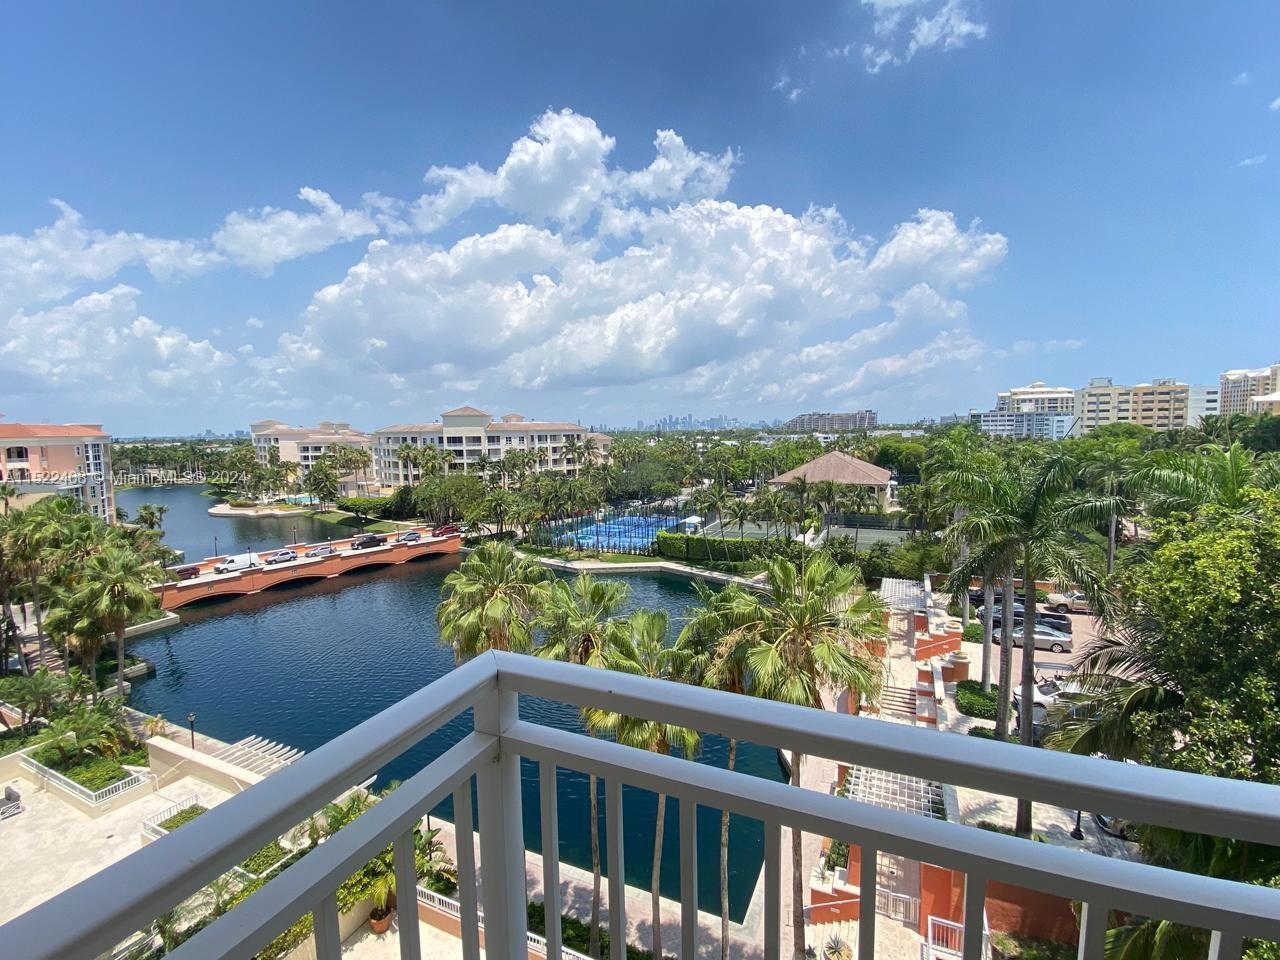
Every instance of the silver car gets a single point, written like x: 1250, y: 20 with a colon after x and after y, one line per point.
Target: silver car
x: 1046, y: 638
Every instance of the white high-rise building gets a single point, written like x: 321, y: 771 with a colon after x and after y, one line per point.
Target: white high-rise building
x: 1036, y: 397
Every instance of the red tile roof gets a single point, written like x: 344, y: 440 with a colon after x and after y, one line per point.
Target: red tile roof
x: 34, y: 431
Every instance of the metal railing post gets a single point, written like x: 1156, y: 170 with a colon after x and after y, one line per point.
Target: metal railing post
x: 502, y: 880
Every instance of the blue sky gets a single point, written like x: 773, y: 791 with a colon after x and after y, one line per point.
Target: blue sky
x: 744, y: 208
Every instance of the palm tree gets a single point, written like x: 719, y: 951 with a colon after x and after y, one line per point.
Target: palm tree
x: 7, y: 492
x: 1211, y: 475
x: 808, y: 633
x: 740, y: 512
x: 150, y: 516
x: 490, y: 601
x: 30, y: 534
x: 1028, y: 512
x: 719, y: 651
x: 35, y: 695
x: 409, y: 455
x: 858, y: 500
x: 70, y: 624
x: 1112, y: 469
x: 578, y: 620
x: 642, y: 650
x: 321, y: 482
x: 114, y: 593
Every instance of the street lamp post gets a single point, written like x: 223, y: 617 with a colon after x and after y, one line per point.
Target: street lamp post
x: 215, y: 544
x: 1077, y: 833
x: 191, y: 722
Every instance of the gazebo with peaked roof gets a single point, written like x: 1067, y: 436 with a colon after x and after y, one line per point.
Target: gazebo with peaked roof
x: 839, y: 468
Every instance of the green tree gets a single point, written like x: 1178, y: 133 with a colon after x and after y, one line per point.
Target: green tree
x: 1163, y: 688
x: 490, y: 602
x: 114, y: 593
x: 579, y: 620
x: 321, y: 482
x: 642, y: 650
x: 7, y: 492
x: 809, y: 632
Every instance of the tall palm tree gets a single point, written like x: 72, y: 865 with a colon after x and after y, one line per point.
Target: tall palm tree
x: 1030, y: 513
x: 740, y: 512
x: 114, y: 593
x: 70, y: 624
x: 642, y: 650
x: 578, y: 619
x: 858, y: 499
x: 810, y: 632
x: 7, y: 492
x: 719, y: 660
x: 1113, y: 470
x: 28, y: 540
x: 490, y: 601
x: 1211, y: 475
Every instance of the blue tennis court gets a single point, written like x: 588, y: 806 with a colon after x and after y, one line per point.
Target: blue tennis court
x: 620, y: 533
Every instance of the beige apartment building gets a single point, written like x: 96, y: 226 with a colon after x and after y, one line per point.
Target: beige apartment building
x: 1238, y: 388
x: 304, y: 445
x: 1163, y: 404
x: 1266, y: 403
x: 65, y: 459
x: 1036, y: 397
x: 468, y: 434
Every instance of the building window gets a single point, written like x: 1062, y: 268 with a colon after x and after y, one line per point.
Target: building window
x: 16, y: 453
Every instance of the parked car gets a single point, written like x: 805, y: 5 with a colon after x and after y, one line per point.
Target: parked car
x: 446, y: 530
x: 241, y: 561
x: 325, y: 550
x: 1073, y: 601
x: 1056, y: 620
x: 1046, y: 638
x: 1018, y: 611
x: 281, y: 556
x: 409, y: 536
x: 189, y: 572
x: 366, y: 540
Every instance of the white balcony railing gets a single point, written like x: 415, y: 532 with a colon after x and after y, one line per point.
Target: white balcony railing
x: 90, y: 917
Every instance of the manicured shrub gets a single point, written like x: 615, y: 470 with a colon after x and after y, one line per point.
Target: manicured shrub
x: 972, y: 702
x: 183, y: 816
x: 972, y: 633
x: 263, y: 860
x: 837, y: 855
x: 982, y: 733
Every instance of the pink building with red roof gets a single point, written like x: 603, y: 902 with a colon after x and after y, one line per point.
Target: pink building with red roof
x: 67, y: 459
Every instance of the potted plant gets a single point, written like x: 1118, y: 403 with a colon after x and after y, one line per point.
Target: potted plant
x: 382, y: 886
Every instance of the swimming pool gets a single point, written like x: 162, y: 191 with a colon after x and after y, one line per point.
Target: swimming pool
x: 618, y: 533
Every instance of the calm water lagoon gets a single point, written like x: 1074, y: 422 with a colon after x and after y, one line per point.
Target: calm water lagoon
x: 302, y: 665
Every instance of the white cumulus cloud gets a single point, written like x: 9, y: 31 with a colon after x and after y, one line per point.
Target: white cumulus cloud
x: 261, y: 239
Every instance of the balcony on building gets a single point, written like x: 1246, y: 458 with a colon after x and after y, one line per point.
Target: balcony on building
x: 488, y: 699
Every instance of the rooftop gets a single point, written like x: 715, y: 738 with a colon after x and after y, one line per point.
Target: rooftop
x: 837, y: 467
x: 35, y: 431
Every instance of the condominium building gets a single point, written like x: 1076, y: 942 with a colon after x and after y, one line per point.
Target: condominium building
x: 1023, y: 424
x: 1036, y: 397
x: 304, y: 445
x: 832, y: 422
x: 1238, y: 387
x: 1266, y: 403
x: 467, y: 435
x: 1164, y: 404
x: 71, y: 459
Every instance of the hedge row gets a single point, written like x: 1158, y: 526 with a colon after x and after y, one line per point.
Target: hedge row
x: 971, y: 701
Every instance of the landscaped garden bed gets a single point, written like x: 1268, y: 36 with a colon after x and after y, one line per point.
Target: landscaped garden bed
x: 92, y: 772
x: 973, y: 702
x: 15, y: 740
x: 183, y: 816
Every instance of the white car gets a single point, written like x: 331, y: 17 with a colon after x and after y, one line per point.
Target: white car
x: 1046, y: 638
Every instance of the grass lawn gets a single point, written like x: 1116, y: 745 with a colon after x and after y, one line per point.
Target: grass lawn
x: 351, y: 523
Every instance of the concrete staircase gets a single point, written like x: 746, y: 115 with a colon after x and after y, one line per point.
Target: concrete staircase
x: 898, y: 702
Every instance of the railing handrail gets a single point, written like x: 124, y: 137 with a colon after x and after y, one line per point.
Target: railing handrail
x: 94, y: 797
x: 162, y: 874
x: 453, y: 908
x: 96, y: 913
x: 161, y: 816
x: 1232, y: 808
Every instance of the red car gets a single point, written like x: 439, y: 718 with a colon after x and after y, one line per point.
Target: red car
x: 446, y: 529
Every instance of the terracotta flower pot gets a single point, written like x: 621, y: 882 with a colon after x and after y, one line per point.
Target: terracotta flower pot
x: 380, y: 925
